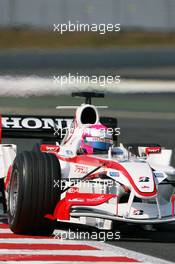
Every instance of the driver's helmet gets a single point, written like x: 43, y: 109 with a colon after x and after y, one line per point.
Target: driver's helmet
x: 96, y: 139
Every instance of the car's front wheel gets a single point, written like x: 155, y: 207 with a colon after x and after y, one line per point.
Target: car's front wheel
x: 32, y: 193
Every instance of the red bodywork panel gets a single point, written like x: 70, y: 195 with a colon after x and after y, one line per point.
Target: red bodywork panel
x: 62, y: 209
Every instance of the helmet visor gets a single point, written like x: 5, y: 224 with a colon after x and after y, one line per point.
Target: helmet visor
x: 98, y: 143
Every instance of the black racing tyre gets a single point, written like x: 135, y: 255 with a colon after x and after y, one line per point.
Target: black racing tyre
x: 32, y: 194
x: 36, y: 148
x: 166, y: 227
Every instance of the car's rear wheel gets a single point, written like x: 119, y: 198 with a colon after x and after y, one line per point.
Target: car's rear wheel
x: 32, y: 193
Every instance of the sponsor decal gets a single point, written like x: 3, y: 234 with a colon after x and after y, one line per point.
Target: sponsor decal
x: 152, y: 150
x: 144, y: 179
x: 159, y: 174
x: 114, y: 174
x: 50, y: 148
x: 138, y: 212
x: 145, y: 187
x: 73, y: 190
x: 81, y: 169
x: 98, y: 139
x: 76, y: 200
x: 34, y: 122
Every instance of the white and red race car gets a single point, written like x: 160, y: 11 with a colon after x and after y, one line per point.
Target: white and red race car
x: 86, y: 179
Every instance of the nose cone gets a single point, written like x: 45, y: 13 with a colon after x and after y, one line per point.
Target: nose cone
x: 142, y: 178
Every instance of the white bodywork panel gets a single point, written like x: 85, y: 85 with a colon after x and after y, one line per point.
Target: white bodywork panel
x: 7, y: 156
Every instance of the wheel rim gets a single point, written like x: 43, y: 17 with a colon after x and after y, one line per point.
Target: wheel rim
x: 14, y: 187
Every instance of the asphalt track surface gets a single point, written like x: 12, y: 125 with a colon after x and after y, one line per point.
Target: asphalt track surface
x: 157, y: 243
x: 135, y: 245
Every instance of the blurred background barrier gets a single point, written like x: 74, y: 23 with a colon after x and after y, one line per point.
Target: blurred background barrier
x: 157, y: 15
x: 137, y: 63
x: 142, y: 53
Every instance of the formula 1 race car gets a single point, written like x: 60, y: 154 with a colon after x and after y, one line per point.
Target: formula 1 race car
x: 88, y: 178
